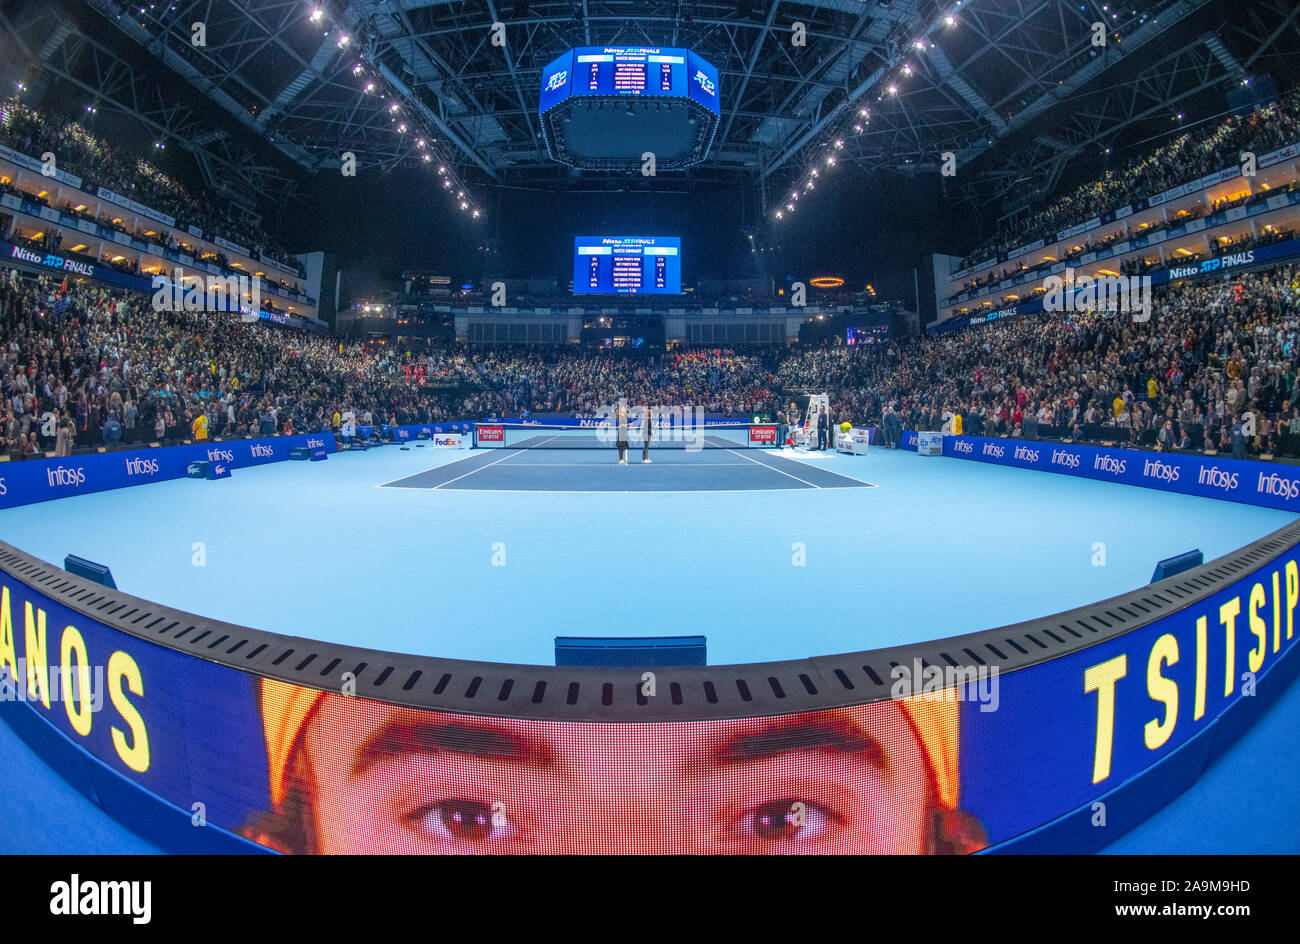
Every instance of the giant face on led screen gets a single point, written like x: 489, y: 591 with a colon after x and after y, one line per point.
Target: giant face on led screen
x: 964, y: 758
x: 627, y: 265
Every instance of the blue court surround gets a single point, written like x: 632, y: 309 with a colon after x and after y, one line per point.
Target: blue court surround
x: 323, y: 549
x: 998, y: 542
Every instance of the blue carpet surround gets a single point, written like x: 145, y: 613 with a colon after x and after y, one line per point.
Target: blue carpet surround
x: 489, y: 555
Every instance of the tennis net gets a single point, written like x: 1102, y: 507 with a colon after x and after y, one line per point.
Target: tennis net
x: 605, y: 436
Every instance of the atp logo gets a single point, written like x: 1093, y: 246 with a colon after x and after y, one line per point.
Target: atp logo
x: 705, y: 82
x: 557, y: 80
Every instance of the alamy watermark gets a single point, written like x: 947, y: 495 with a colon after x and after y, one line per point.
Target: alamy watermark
x: 1126, y: 294
x: 668, y: 424
x: 977, y: 683
x: 82, y: 686
x: 193, y: 292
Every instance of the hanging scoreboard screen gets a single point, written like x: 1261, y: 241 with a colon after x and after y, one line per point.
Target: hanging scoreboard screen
x: 623, y: 70
x: 627, y: 265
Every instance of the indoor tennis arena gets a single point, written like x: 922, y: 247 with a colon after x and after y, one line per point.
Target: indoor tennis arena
x: 635, y: 429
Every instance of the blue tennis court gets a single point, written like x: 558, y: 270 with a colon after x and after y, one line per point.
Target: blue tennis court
x: 490, y: 554
x: 536, y: 466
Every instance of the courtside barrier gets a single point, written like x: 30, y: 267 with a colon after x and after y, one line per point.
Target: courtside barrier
x: 426, y: 431
x: 37, y: 480
x: 999, y: 740
x: 1249, y: 481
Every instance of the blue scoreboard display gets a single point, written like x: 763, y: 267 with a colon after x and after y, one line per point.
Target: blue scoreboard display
x: 627, y: 265
x: 625, y: 70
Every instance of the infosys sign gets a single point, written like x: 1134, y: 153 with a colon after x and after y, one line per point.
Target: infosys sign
x: 1254, y: 483
x: 41, y: 480
x: 403, y: 434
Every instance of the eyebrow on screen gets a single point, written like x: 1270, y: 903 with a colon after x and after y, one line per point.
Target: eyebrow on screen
x: 400, y: 739
x: 838, y: 736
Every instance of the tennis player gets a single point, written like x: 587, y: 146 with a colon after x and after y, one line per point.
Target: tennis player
x: 647, y: 433
x: 621, y: 420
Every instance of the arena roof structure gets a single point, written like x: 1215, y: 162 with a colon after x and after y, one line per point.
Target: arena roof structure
x: 1012, y: 89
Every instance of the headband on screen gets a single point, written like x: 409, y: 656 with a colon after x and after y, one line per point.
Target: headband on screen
x: 286, y: 709
x: 935, y: 721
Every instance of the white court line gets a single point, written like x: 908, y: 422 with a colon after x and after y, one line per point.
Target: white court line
x: 797, y: 457
x: 626, y: 491
x: 602, y: 465
x: 773, y: 468
x: 422, y: 471
x: 482, y: 467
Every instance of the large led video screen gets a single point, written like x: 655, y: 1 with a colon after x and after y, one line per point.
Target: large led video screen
x: 951, y: 766
x: 625, y: 70
x: 627, y: 265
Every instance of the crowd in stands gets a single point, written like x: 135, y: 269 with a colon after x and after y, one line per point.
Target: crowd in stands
x: 1187, y: 157
x: 88, y: 366
x: 1215, y: 368
x: 82, y: 367
x: 79, y: 152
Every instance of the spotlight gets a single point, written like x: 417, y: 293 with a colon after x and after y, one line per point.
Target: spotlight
x: 316, y: 15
